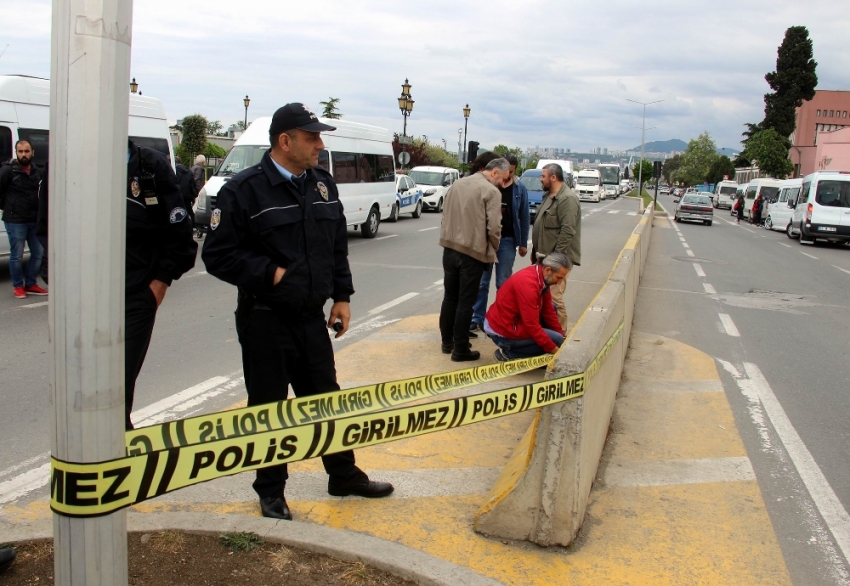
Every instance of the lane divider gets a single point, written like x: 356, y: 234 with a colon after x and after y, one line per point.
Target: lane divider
x: 99, y: 488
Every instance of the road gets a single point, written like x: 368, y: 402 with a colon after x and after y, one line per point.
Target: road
x: 194, y: 362
x: 775, y: 315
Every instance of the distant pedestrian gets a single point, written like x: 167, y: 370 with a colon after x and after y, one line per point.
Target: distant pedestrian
x: 188, y: 187
x: 522, y: 321
x: 755, y: 214
x: 739, y: 207
x: 472, y: 225
x: 557, y: 228
x: 19, y: 202
x: 515, y: 226
x: 199, y: 172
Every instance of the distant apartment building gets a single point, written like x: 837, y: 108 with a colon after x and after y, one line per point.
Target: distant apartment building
x: 814, y: 146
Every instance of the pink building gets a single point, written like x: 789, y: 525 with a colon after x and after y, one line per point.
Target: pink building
x: 822, y: 116
x: 833, y: 150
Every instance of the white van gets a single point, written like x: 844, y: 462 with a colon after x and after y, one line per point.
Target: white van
x: 724, y: 194
x: 25, y: 115
x: 359, y: 156
x: 822, y: 210
x: 767, y: 188
x: 780, y: 212
x: 589, y: 185
x: 435, y: 183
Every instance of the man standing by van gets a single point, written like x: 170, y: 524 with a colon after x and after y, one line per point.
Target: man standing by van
x: 557, y: 228
x: 469, y: 234
x: 199, y: 172
x: 19, y: 202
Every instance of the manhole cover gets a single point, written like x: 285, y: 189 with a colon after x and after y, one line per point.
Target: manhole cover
x: 769, y: 300
x: 696, y: 259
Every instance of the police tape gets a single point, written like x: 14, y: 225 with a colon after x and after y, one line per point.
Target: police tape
x: 100, y: 488
x: 306, y: 410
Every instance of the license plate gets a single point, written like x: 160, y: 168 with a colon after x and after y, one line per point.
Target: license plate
x: 827, y: 229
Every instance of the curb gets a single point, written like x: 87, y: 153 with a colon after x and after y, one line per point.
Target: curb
x: 392, y: 557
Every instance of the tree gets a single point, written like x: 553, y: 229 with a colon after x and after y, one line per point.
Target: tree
x: 770, y: 152
x: 214, y: 128
x: 415, y: 149
x: 213, y: 151
x: 742, y: 161
x: 645, y: 174
x: 793, y: 81
x: 194, y: 134
x: 240, y: 125
x: 438, y: 156
x: 697, y: 160
x: 330, y: 109
x: 722, y: 166
x: 670, y: 166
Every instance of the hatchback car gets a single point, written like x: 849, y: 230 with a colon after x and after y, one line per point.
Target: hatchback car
x: 694, y: 206
x: 408, y: 198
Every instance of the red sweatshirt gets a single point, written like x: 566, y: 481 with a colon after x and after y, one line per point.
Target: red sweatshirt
x: 522, y: 309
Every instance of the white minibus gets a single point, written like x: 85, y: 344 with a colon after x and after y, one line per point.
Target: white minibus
x: 779, y: 212
x: 359, y: 156
x: 822, y: 210
x: 767, y: 188
x: 589, y: 185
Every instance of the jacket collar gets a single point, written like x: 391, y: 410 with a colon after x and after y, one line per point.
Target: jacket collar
x: 560, y: 191
x: 271, y: 171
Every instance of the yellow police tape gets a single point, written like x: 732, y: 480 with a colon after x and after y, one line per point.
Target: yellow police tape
x: 100, y: 488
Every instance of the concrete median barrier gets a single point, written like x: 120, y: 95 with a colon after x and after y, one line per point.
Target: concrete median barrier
x: 541, y: 495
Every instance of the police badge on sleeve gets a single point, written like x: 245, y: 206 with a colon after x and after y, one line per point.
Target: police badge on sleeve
x: 323, y: 190
x: 215, y: 219
x: 135, y: 188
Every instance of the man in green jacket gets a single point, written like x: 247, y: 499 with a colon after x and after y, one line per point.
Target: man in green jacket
x: 557, y: 228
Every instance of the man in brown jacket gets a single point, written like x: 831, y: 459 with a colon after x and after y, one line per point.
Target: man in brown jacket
x: 472, y: 225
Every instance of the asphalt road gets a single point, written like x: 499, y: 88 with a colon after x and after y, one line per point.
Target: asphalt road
x: 194, y: 362
x: 775, y: 314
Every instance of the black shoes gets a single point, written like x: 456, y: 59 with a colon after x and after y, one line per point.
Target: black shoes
x: 466, y: 356
x: 499, y: 354
x: 360, y: 487
x: 472, y: 334
x: 447, y: 348
x: 7, y: 558
x: 275, y: 507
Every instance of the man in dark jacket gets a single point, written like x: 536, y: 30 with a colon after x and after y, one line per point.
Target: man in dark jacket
x: 19, y: 202
x: 279, y: 234
x: 188, y: 188
x: 160, y: 249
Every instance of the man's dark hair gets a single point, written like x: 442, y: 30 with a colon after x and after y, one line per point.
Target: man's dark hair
x: 481, y: 161
x: 177, y: 160
x: 512, y: 160
x: 23, y: 140
x: 275, y: 138
x: 556, y: 170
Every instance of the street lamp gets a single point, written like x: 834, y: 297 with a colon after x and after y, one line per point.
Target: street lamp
x: 466, y: 112
x: 642, y: 140
x: 246, y: 101
x: 134, y: 87
x: 405, y: 104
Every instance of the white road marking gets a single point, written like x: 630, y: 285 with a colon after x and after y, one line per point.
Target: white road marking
x: 198, y: 274
x: 729, y: 325
x: 840, y: 269
x: 392, y: 303
x: 613, y: 211
x: 698, y: 269
x: 440, y: 282
x: 385, y: 237
x: 24, y: 483
x: 431, y: 228
x: 809, y: 255
x: 785, y: 245
x: 633, y: 213
x: 34, y: 305
x: 690, y: 252
x: 685, y: 244
x: 681, y: 238
x: 375, y: 323
x: 25, y: 464
x: 730, y: 223
x: 709, y: 289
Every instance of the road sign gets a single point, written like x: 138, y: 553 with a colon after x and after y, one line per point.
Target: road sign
x: 405, y: 140
x: 404, y: 157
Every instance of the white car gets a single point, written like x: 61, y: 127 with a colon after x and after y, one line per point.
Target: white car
x: 611, y: 192
x: 435, y: 182
x: 408, y: 198
x: 780, y: 212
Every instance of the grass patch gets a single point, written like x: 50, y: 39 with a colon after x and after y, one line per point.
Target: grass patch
x: 167, y: 542
x: 241, y: 541
x: 647, y: 199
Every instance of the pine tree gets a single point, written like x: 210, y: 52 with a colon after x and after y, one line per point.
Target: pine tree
x: 793, y: 81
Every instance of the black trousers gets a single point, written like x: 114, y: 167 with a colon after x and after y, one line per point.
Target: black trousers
x: 276, y: 354
x: 139, y: 317
x: 461, y: 278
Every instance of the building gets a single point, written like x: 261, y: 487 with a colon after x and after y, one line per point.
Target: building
x: 833, y: 150
x: 823, y: 114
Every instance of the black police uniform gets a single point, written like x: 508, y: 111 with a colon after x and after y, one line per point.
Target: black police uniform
x: 264, y: 221
x: 160, y: 247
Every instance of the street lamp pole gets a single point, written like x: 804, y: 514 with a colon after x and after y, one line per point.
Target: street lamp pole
x: 459, y: 146
x: 246, y: 101
x: 642, y: 141
x: 466, y: 112
x: 405, y: 104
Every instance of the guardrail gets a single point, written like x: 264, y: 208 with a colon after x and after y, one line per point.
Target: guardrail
x: 541, y: 495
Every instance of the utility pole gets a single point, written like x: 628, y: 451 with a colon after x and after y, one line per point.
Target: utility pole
x: 642, y: 141
x: 89, y: 106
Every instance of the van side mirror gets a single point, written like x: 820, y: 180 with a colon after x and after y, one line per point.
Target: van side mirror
x: 446, y: 183
x: 676, y: 200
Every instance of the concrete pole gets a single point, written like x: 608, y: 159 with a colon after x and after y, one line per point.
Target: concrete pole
x: 89, y: 103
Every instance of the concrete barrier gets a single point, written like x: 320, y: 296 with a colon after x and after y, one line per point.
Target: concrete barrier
x: 541, y: 495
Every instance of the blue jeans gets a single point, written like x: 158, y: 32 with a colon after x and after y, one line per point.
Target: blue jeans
x: 526, y: 348
x: 20, y: 234
x: 504, y: 269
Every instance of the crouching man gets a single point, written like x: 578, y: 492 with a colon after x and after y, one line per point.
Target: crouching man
x: 522, y: 321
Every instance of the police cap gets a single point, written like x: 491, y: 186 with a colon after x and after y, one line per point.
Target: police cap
x: 296, y: 115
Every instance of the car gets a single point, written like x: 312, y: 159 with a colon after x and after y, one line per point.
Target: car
x: 531, y: 180
x: 611, y: 192
x: 779, y: 213
x: 435, y: 183
x: 822, y: 210
x: 694, y: 206
x: 408, y: 198
x: 664, y: 190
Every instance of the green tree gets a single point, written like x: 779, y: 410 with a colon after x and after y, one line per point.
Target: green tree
x: 240, y: 125
x: 769, y: 151
x: 793, y: 81
x: 697, y: 159
x: 670, y: 166
x: 214, y: 128
x: 742, y: 160
x: 438, y: 156
x: 330, y: 110
x: 194, y: 134
x: 213, y: 151
x: 722, y: 166
x: 643, y: 170
x: 504, y: 151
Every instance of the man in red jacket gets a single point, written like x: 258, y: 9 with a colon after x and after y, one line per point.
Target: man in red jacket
x: 522, y: 322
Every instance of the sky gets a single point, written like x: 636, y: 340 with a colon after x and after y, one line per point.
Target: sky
x: 534, y: 72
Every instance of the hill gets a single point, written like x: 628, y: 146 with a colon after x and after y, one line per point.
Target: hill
x: 664, y: 146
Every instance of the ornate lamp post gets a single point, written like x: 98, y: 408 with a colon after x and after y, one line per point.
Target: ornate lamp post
x: 466, y: 112
x: 246, y: 101
x: 405, y: 104
x: 134, y: 87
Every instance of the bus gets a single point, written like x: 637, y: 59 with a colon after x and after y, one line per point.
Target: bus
x: 610, y: 173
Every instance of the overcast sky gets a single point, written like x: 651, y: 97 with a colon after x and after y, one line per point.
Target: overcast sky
x: 534, y: 72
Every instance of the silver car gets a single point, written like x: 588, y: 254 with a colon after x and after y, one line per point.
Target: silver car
x: 694, y: 206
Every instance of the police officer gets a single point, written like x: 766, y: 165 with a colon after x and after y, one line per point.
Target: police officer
x: 279, y: 234
x: 160, y: 249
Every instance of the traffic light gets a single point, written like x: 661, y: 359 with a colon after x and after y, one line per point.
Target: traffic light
x: 656, y: 169
x: 472, y: 151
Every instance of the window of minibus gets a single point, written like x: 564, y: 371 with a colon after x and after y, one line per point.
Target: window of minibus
x: 588, y: 180
x: 727, y: 190
x: 39, y: 141
x: 157, y: 144
x: 769, y: 193
x: 804, y: 193
x: 835, y: 194
x: 324, y: 161
x: 7, y: 151
x: 751, y: 192
x: 345, y: 167
x: 240, y: 158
